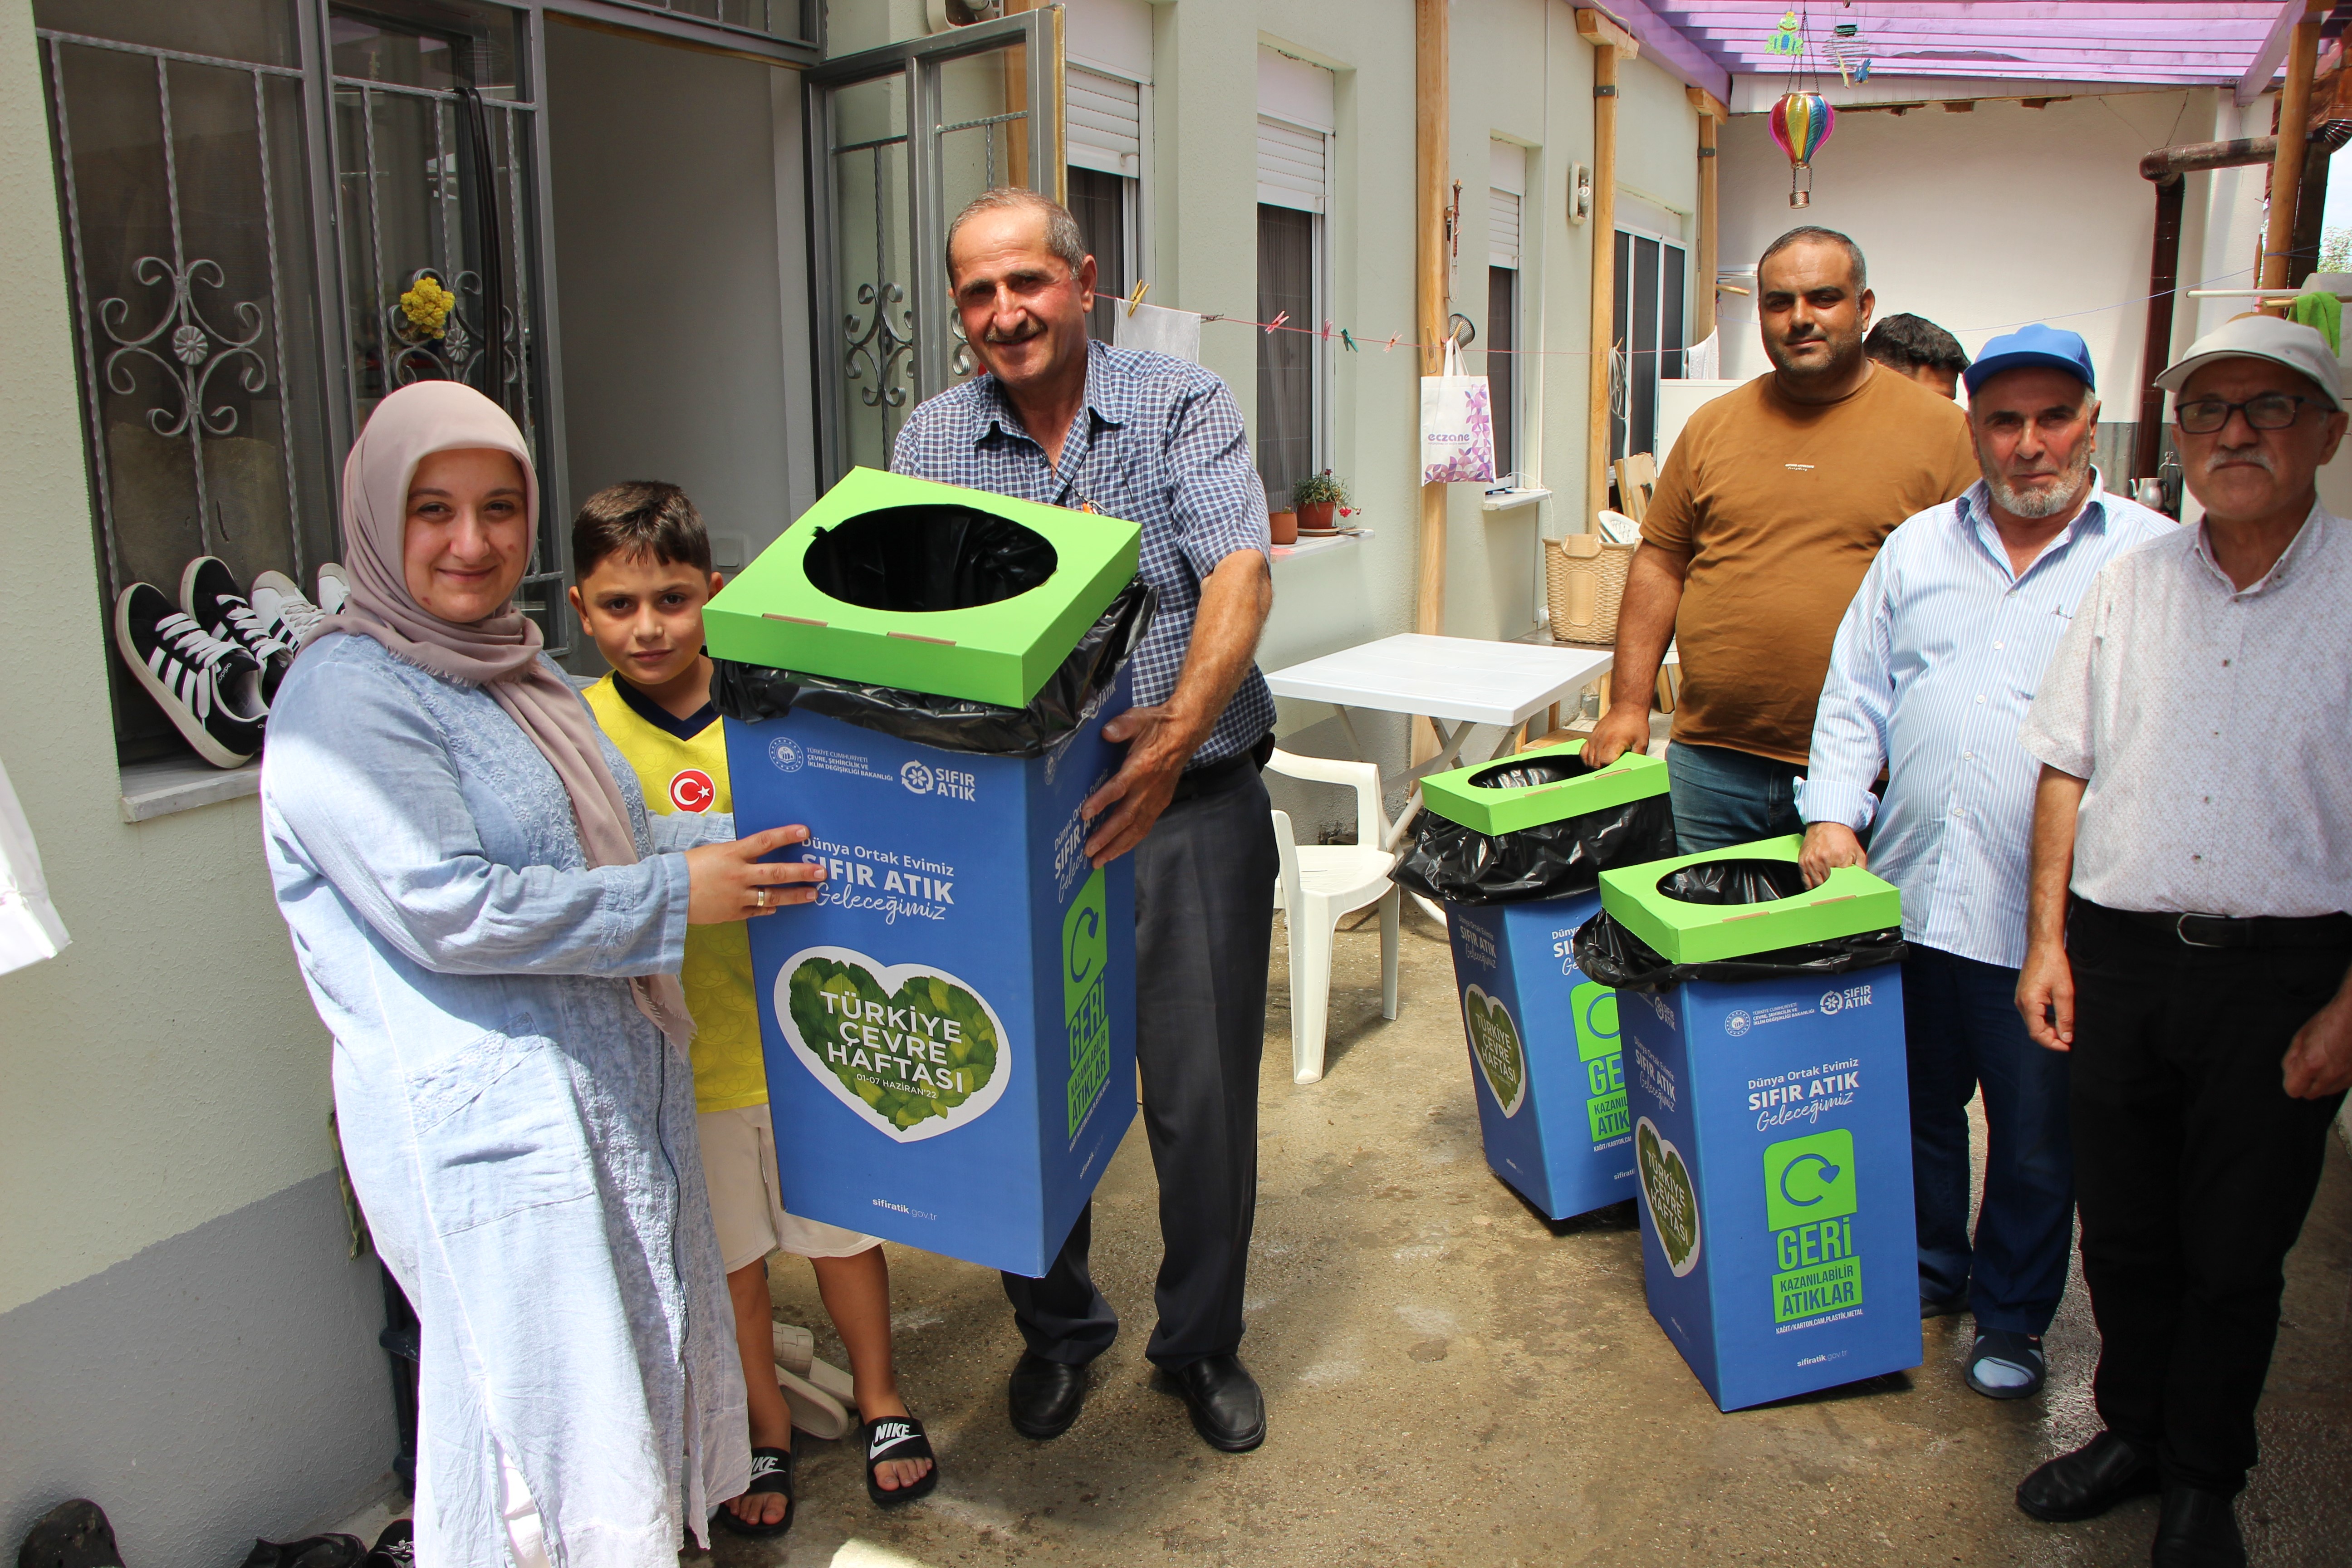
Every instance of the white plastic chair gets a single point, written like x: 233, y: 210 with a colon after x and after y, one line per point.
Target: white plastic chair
x: 1321, y: 882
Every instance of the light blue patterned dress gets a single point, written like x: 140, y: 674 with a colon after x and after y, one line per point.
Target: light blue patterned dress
x: 521, y: 1138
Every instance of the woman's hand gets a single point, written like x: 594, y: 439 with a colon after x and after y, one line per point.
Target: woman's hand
x: 732, y: 882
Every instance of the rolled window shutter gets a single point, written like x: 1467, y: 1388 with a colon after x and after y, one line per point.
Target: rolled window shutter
x: 1502, y: 229
x: 1103, y: 122
x: 1292, y: 162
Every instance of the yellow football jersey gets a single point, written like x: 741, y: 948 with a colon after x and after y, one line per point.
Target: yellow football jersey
x: 682, y: 766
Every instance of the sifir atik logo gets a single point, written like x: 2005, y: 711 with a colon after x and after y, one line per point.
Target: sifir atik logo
x: 691, y: 790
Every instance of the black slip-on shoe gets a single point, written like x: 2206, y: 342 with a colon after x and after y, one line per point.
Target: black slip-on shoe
x: 1044, y: 1396
x: 1228, y: 1411
x: 1943, y: 1305
x: 210, y: 595
x: 2085, y: 1484
x: 207, y: 685
x: 395, y: 1548
x: 2198, y: 1530
x: 2005, y: 1365
x: 71, y: 1535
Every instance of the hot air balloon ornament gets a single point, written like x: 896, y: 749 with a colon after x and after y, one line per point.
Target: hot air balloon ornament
x: 1801, y: 121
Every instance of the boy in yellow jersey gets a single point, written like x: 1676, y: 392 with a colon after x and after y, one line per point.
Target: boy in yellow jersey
x: 642, y: 565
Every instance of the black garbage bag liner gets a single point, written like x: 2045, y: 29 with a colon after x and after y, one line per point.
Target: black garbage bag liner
x: 927, y: 558
x: 1605, y: 951
x: 1460, y: 865
x: 748, y: 693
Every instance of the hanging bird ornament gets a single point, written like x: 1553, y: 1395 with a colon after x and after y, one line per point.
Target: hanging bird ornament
x: 1801, y: 121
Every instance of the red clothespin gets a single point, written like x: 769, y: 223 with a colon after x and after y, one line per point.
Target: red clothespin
x: 1279, y: 317
x: 1393, y: 342
x: 1326, y: 329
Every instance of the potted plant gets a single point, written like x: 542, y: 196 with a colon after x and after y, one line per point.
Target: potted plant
x: 1317, y: 497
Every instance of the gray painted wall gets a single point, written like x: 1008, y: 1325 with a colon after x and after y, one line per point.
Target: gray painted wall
x: 217, y: 1387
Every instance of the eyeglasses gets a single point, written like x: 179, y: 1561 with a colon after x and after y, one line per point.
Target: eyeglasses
x: 2271, y: 411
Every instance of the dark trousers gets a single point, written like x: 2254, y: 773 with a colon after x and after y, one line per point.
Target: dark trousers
x: 1203, y: 925
x: 2194, y: 1170
x: 1722, y: 796
x: 1959, y: 1018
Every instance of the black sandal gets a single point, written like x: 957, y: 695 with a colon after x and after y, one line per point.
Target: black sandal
x: 771, y: 1471
x: 895, y: 1437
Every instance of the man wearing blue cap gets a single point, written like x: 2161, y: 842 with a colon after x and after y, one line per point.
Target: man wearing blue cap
x: 1933, y: 669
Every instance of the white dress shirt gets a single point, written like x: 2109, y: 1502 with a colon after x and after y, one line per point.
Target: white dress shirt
x: 2211, y: 724
x: 1935, y: 665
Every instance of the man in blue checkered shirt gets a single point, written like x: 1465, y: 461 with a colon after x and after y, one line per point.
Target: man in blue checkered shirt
x: 1159, y: 443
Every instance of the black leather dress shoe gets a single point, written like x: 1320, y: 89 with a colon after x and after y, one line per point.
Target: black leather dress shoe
x: 1045, y: 1395
x: 2085, y: 1484
x: 2199, y: 1529
x: 1228, y: 1412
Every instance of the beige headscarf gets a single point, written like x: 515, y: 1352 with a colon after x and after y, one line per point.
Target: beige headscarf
x: 500, y: 653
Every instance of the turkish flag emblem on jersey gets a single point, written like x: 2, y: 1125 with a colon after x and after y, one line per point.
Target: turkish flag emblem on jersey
x: 691, y: 790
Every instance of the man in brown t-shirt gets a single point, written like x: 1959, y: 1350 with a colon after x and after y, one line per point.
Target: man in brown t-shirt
x: 1773, y: 502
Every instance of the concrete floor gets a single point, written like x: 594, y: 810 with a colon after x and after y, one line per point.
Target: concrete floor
x: 1451, y: 1378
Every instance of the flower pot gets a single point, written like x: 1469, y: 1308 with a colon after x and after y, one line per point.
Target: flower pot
x: 1284, y: 525
x: 1316, y: 514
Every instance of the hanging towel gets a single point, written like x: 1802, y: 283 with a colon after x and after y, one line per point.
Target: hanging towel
x: 2324, y: 311
x: 29, y: 927
x: 1172, y: 333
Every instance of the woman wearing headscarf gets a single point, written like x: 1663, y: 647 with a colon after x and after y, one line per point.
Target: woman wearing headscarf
x: 491, y: 929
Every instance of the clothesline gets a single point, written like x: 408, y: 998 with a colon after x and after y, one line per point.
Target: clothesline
x: 1353, y: 343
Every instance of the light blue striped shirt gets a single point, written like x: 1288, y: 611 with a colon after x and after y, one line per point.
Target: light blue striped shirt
x: 1935, y: 666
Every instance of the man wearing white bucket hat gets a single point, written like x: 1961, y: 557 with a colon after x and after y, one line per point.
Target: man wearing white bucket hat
x: 2195, y: 802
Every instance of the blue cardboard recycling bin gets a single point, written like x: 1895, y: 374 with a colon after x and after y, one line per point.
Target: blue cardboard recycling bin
x: 1771, y: 1127
x: 1515, y: 847
x: 1549, y: 1078
x: 950, y: 1030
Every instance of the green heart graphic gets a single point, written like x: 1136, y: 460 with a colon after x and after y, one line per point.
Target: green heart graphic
x: 1673, y: 1206
x: 1495, y: 1046
x: 927, y: 1049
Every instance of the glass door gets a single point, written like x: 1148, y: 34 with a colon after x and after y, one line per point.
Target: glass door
x: 899, y: 139
x: 435, y: 131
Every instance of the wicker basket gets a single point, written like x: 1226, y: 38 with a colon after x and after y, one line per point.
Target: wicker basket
x: 1584, y: 582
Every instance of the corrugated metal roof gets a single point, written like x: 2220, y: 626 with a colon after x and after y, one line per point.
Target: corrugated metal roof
x: 2168, y: 42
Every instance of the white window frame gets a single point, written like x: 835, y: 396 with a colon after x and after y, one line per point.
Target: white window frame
x: 1135, y: 216
x: 1318, y: 381
x: 1626, y: 280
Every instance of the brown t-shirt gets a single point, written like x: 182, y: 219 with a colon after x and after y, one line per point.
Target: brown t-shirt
x: 1781, y: 507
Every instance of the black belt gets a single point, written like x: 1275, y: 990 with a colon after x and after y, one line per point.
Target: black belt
x: 1208, y: 778
x: 2225, y: 931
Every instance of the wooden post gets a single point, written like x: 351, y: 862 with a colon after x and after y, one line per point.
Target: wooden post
x: 1609, y: 41
x: 2155, y: 350
x: 2287, y: 168
x: 1434, y: 162
x: 1711, y: 114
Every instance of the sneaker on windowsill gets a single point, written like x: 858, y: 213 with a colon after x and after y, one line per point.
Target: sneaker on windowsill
x: 207, y: 685
x: 284, y: 611
x: 209, y: 593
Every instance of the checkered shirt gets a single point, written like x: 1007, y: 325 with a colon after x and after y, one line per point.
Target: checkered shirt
x: 1159, y: 443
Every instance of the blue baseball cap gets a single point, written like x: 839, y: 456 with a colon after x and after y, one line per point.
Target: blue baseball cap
x: 2053, y: 347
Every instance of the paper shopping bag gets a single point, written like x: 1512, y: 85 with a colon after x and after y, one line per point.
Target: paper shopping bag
x: 1457, y: 425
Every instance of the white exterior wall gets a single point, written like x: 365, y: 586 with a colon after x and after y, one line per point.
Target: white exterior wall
x: 1985, y: 221
x: 181, y: 1334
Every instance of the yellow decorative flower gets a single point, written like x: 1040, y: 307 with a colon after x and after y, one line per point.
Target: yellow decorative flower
x: 426, y: 306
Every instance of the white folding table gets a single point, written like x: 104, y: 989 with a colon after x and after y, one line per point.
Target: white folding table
x: 1456, y: 681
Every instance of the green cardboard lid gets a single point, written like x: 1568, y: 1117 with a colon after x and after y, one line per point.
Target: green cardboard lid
x: 1850, y: 902
x: 1458, y: 796
x: 772, y: 614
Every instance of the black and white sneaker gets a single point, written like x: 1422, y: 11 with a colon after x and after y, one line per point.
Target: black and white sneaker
x: 209, y: 686
x: 334, y: 587
x: 285, y: 614
x: 209, y: 593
